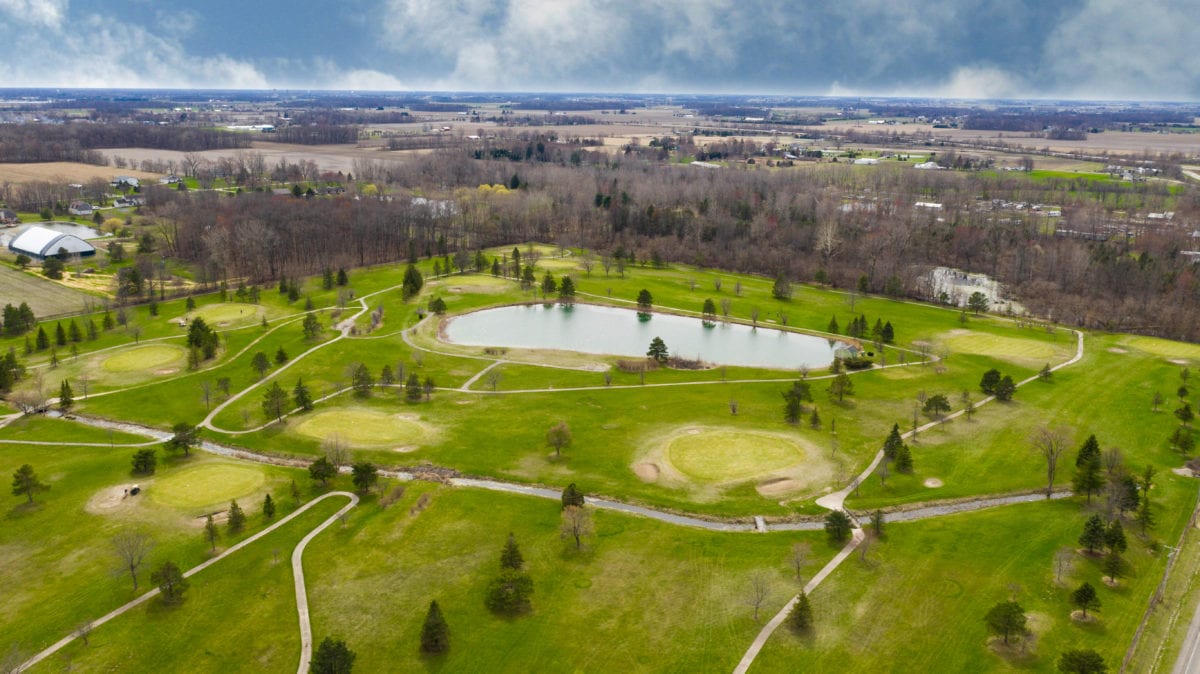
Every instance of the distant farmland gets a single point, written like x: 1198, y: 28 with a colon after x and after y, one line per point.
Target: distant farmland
x: 45, y: 297
x: 65, y: 171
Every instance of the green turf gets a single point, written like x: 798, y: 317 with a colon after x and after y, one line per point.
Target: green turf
x: 147, y: 357
x: 362, y: 428
x: 206, y: 485
x: 720, y: 456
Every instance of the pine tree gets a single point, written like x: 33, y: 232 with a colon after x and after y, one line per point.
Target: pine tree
x: 834, y: 328
x: 1088, y: 469
x: 1093, y: 533
x: 268, y: 508
x: 571, y: 496
x: 511, y: 557
x: 332, y: 657
x: 43, y: 341
x: 60, y: 335
x: 800, y: 618
x: 73, y: 332
x: 281, y: 356
x: 904, y: 461
x: 893, y: 443
x: 65, y: 399
x: 435, y: 634
x: 1114, y: 537
x: 237, y: 518
x: 1085, y: 598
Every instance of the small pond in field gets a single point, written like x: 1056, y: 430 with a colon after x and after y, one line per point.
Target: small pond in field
x: 624, y: 332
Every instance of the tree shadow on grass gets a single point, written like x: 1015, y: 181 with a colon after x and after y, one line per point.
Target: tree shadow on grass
x: 23, y: 510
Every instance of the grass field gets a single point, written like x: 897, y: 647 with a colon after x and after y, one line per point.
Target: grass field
x: 364, y: 428
x: 146, y: 358
x: 207, y: 485
x: 44, y: 296
x: 653, y: 597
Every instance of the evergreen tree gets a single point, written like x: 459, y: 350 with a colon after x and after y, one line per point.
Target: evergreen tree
x: 893, y: 443
x: 386, y: 376
x: 834, y: 328
x: 332, y: 657
x: 1085, y: 598
x: 412, y: 283
x: 43, y: 342
x: 268, y: 508
x: 1006, y: 619
x: 990, y: 380
x: 260, y: 363
x: 800, y: 617
x: 145, y: 461
x: 904, y: 461
x: 644, y: 300
x: 1089, y: 477
x: 60, y: 335
x: 838, y: 527
x: 311, y: 326
x: 888, y: 334
x: 274, y: 402
x: 327, y: 279
x: 1082, y: 661
x: 435, y: 634
x: 301, y: 396
x: 237, y: 518
x: 92, y: 331
x: 1113, y: 565
x: 566, y: 289
x: 1005, y: 388
x: 342, y: 277
x: 572, y: 496
x: 412, y: 388
x: 361, y: 381
x: 510, y: 557
x: 73, y: 332
x: 658, y: 350
x: 1114, y: 537
x: 281, y: 356
x: 322, y: 470
x: 509, y: 593
x: 26, y: 483
x: 365, y: 475
x: 65, y: 398
x: 1092, y: 537
x: 170, y: 581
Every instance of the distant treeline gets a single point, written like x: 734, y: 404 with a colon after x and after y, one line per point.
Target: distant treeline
x: 77, y: 142
x: 312, y: 134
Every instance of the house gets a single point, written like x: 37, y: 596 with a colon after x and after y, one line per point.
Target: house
x: 8, y: 217
x: 928, y: 166
x: 866, y: 161
x: 928, y: 204
x: 80, y: 208
x: 125, y: 182
x: 40, y: 243
x: 169, y: 180
x: 129, y: 202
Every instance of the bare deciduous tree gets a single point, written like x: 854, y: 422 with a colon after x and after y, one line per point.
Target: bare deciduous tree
x: 337, y: 451
x: 799, y: 557
x: 758, y: 592
x: 131, y: 547
x: 577, y: 524
x: 1050, y: 443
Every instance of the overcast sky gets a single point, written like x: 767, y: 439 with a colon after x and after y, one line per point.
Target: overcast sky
x: 1106, y: 49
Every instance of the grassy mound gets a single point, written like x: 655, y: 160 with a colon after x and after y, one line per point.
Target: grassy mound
x: 208, y: 484
x: 726, y: 456
x: 145, y: 358
x: 363, y: 428
x: 228, y: 313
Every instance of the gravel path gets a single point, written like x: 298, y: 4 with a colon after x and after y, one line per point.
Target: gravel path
x: 197, y: 569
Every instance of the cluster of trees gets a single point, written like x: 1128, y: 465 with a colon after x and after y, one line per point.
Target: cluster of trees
x: 202, y: 342
x: 1007, y: 619
x: 1001, y: 386
x: 18, y: 320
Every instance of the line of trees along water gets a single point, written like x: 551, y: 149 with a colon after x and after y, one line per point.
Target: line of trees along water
x: 851, y: 228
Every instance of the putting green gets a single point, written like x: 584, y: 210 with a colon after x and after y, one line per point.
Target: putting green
x: 727, y: 456
x: 997, y: 346
x: 207, y: 484
x: 226, y: 313
x: 363, y: 428
x: 1161, y: 347
x: 148, y: 357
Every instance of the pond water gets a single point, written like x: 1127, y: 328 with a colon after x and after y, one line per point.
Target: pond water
x: 623, y: 332
x: 82, y: 231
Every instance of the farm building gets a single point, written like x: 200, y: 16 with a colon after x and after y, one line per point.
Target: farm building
x: 8, y: 217
x: 40, y: 243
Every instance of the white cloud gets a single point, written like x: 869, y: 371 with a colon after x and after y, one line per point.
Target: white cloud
x: 99, y: 52
x: 38, y: 12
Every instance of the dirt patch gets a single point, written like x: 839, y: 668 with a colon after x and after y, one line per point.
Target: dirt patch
x: 112, y: 500
x: 1183, y: 472
x: 958, y: 332
x: 1077, y: 616
x: 405, y: 449
x: 646, y: 472
x: 1117, y: 349
x: 933, y: 482
x: 463, y: 402
x: 1178, y: 361
x: 219, y: 519
x: 170, y: 370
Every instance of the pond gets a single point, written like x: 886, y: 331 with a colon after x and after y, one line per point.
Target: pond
x: 623, y: 332
x: 81, y: 231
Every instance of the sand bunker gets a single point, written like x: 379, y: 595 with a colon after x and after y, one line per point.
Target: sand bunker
x: 114, y: 499
x: 1117, y: 349
x: 646, y: 472
x: 933, y: 482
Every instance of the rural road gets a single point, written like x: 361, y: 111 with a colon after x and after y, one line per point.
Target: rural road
x: 301, y: 597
